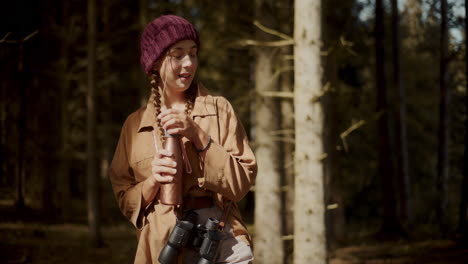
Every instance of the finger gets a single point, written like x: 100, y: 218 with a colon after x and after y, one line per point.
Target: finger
x: 167, y: 112
x: 163, y: 170
x: 170, y: 117
x: 163, y: 179
x: 175, y: 131
x: 172, y: 124
x: 163, y: 153
x: 164, y: 162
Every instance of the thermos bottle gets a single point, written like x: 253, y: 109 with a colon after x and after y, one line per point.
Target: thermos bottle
x: 171, y: 193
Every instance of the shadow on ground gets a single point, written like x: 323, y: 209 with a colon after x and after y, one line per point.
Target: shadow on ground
x: 66, y: 243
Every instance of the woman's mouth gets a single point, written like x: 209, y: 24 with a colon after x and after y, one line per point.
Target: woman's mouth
x: 184, y: 77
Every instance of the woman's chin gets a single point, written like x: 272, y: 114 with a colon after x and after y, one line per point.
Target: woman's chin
x: 182, y: 86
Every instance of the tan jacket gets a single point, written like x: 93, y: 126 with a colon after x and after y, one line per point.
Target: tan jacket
x: 227, y: 173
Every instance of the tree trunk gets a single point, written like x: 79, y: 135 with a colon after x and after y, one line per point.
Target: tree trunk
x: 64, y: 152
x: 268, y: 226
x: 403, y: 178
x: 3, y: 131
x: 390, y: 224
x: 20, y: 203
x: 309, y: 209
x: 463, y: 214
x: 285, y: 16
x: 443, y: 133
x: 93, y: 180
x: 333, y: 119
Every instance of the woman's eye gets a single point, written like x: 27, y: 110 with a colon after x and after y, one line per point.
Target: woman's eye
x: 176, y: 55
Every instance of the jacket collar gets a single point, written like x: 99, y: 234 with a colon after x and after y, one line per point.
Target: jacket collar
x: 204, y: 106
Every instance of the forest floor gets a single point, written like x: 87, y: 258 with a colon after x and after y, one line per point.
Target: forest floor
x: 401, y: 252
x: 40, y: 241
x: 68, y: 243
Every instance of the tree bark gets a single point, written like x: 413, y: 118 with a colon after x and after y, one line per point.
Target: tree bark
x: 268, y: 225
x: 443, y: 131
x: 333, y: 118
x: 64, y: 152
x: 463, y: 214
x: 403, y: 178
x: 20, y: 203
x: 285, y: 16
x: 390, y: 225
x: 93, y: 180
x: 309, y: 209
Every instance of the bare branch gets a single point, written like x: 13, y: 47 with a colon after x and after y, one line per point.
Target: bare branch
x: 30, y: 35
x: 325, y: 89
x: 3, y: 40
x: 355, y: 126
x: 322, y: 156
x: 348, y: 131
x: 276, y: 94
x: 251, y: 42
x: 5, y: 37
x: 273, y: 78
x: 271, y: 31
x: 345, y: 43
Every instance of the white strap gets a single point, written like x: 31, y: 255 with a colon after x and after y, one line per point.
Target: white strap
x: 155, y: 142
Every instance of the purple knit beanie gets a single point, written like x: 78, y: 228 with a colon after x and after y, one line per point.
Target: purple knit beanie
x: 162, y: 33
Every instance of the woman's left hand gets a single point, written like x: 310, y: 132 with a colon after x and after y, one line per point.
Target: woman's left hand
x: 175, y: 121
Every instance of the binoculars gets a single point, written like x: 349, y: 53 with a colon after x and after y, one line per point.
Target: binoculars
x: 186, y: 233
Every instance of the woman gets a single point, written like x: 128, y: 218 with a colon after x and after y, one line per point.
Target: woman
x: 223, y: 166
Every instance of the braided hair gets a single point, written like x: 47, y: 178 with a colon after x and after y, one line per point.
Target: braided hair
x: 190, y: 95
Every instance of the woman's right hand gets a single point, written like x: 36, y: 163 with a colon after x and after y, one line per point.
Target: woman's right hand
x: 163, y: 167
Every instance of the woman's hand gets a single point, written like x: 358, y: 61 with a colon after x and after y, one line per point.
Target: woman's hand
x: 175, y: 121
x: 163, y: 166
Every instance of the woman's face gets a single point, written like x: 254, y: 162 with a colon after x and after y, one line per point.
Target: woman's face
x: 179, y: 66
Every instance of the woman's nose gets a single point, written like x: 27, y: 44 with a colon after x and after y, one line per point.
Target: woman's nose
x: 187, y: 61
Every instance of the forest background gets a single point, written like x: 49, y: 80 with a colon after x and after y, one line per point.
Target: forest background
x: 393, y: 132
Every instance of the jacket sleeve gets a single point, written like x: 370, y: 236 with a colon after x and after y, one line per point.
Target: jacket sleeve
x: 229, y: 164
x: 124, y: 185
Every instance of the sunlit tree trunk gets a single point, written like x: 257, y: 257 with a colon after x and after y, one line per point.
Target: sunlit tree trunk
x: 268, y: 225
x: 309, y: 209
x: 285, y: 15
x: 403, y: 178
x: 93, y: 180
x: 443, y: 133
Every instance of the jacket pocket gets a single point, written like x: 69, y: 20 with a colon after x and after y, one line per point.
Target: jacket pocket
x: 142, y: 169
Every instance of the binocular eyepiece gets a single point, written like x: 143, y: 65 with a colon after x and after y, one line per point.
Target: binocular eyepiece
x: 187, y: 234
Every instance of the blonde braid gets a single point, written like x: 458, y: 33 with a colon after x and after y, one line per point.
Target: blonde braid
x: 156, y: 95
x: 190, y: 95
x: 157, y: 102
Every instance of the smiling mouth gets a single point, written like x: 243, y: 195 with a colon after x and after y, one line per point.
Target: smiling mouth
x: 185, y: 75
